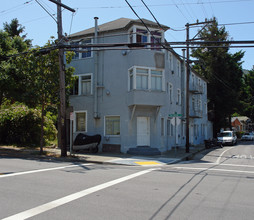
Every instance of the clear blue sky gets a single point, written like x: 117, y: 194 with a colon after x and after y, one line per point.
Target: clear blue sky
x: 173, y: 13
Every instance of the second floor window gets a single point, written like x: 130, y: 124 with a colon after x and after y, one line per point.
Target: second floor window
x: 86, y: 85
x: 156, y: 80
x: 141, y: 79
x: 146, y: 79
x: 86, y: 51
x: 82, y: 85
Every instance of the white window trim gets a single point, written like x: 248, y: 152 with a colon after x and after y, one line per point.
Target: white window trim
x: 134, y: 28
x: 110, y: 135
x: 134, y: 72
x: 80, y: 80
x: 75, y: 123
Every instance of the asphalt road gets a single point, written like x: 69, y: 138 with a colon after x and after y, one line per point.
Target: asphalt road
x: 216, y: 184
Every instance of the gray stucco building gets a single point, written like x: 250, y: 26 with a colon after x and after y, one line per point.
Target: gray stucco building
x: 130, y: 95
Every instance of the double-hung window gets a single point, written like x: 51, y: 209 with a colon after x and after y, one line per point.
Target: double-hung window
x: 142, y: 36
x: 86, y: 51
x: 142, y: 78
x: 156, y: 40
x: 76, y: 55
x: 112, y: 125
x: 86, y: 84
x: 81, y: 121
x: 156, y: 80
x: 139, y: 35
x: 82, y: 85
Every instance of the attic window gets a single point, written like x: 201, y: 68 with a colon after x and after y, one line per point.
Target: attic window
x: 138, y: 35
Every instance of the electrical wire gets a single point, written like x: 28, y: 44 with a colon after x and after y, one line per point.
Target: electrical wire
x: 15, y: 8
x: 180, y: 11
x: 187, y: 10
x: 46, y: 11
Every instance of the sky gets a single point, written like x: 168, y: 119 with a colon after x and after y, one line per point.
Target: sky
x: 235, y: 15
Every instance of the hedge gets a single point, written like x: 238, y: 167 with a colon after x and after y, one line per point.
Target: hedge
x: 21, y: 125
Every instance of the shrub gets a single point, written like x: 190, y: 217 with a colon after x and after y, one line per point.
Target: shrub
x: 20, y: 125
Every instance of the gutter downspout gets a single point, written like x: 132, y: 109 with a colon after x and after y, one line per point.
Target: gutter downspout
x: 96, y: 115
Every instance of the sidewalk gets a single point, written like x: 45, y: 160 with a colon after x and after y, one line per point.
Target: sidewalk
x: 169, y: 157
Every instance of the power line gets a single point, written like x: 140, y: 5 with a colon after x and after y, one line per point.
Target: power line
x: 180, y: 10
x: 168, y: 4
x: 188, y: 10
x: 15, y: 8
x: 51, y: 15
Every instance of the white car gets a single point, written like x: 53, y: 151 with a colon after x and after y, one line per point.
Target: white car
x: 227, y: 138
x: 247, y: 137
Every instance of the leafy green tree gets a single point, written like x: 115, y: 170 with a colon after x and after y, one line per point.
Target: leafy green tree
x: 42, y: 88
x: 223, y: 71
x: 11, y: 80
x: 16, y: 29
x: 30, y: 77
x: 247, y: 95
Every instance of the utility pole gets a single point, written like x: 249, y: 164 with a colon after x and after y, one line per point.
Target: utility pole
x: 62, y: 110
x: 187, y: 146
x: 188, y: 62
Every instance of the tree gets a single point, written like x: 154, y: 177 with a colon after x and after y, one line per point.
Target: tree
x: 43, y: 81
x: 247, y: 95
x: 223, y: 71
x: 27, y: 75
x: 16, y: 29
x: 11, y: 80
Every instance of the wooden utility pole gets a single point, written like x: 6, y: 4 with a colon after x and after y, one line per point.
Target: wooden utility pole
x: 187, y: 146
x: 62, y: 118
x: 62, y: 110
x: 188, y: 62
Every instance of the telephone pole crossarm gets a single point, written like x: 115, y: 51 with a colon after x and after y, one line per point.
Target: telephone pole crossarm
x: 62, y: 5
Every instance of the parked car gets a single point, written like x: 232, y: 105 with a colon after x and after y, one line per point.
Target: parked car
x: 227, y: 138
x: 247, y: 137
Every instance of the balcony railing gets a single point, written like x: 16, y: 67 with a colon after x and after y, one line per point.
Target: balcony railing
x: 196, y: 88
x: 196, y: 113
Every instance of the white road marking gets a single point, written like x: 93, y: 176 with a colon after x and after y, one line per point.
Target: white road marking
x: 48, y: 206
x: 214, y: 169
x: 227, y: 164
x: 41, y: 170
x: 218, y: 160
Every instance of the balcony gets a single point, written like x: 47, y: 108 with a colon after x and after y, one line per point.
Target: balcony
x: 196, y: 113
x: 146, y: 97
x: 196, y: 88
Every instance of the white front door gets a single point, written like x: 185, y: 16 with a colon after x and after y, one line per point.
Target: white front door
x: 143, y: 131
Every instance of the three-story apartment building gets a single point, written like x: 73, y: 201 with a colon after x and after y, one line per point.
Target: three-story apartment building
x: 135, y: 96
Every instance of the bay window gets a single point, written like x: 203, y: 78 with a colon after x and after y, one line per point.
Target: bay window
x: 142, y: 78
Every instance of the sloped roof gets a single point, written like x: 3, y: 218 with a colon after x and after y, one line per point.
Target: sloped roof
x: 240, y: 118
x: 121, y: 23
